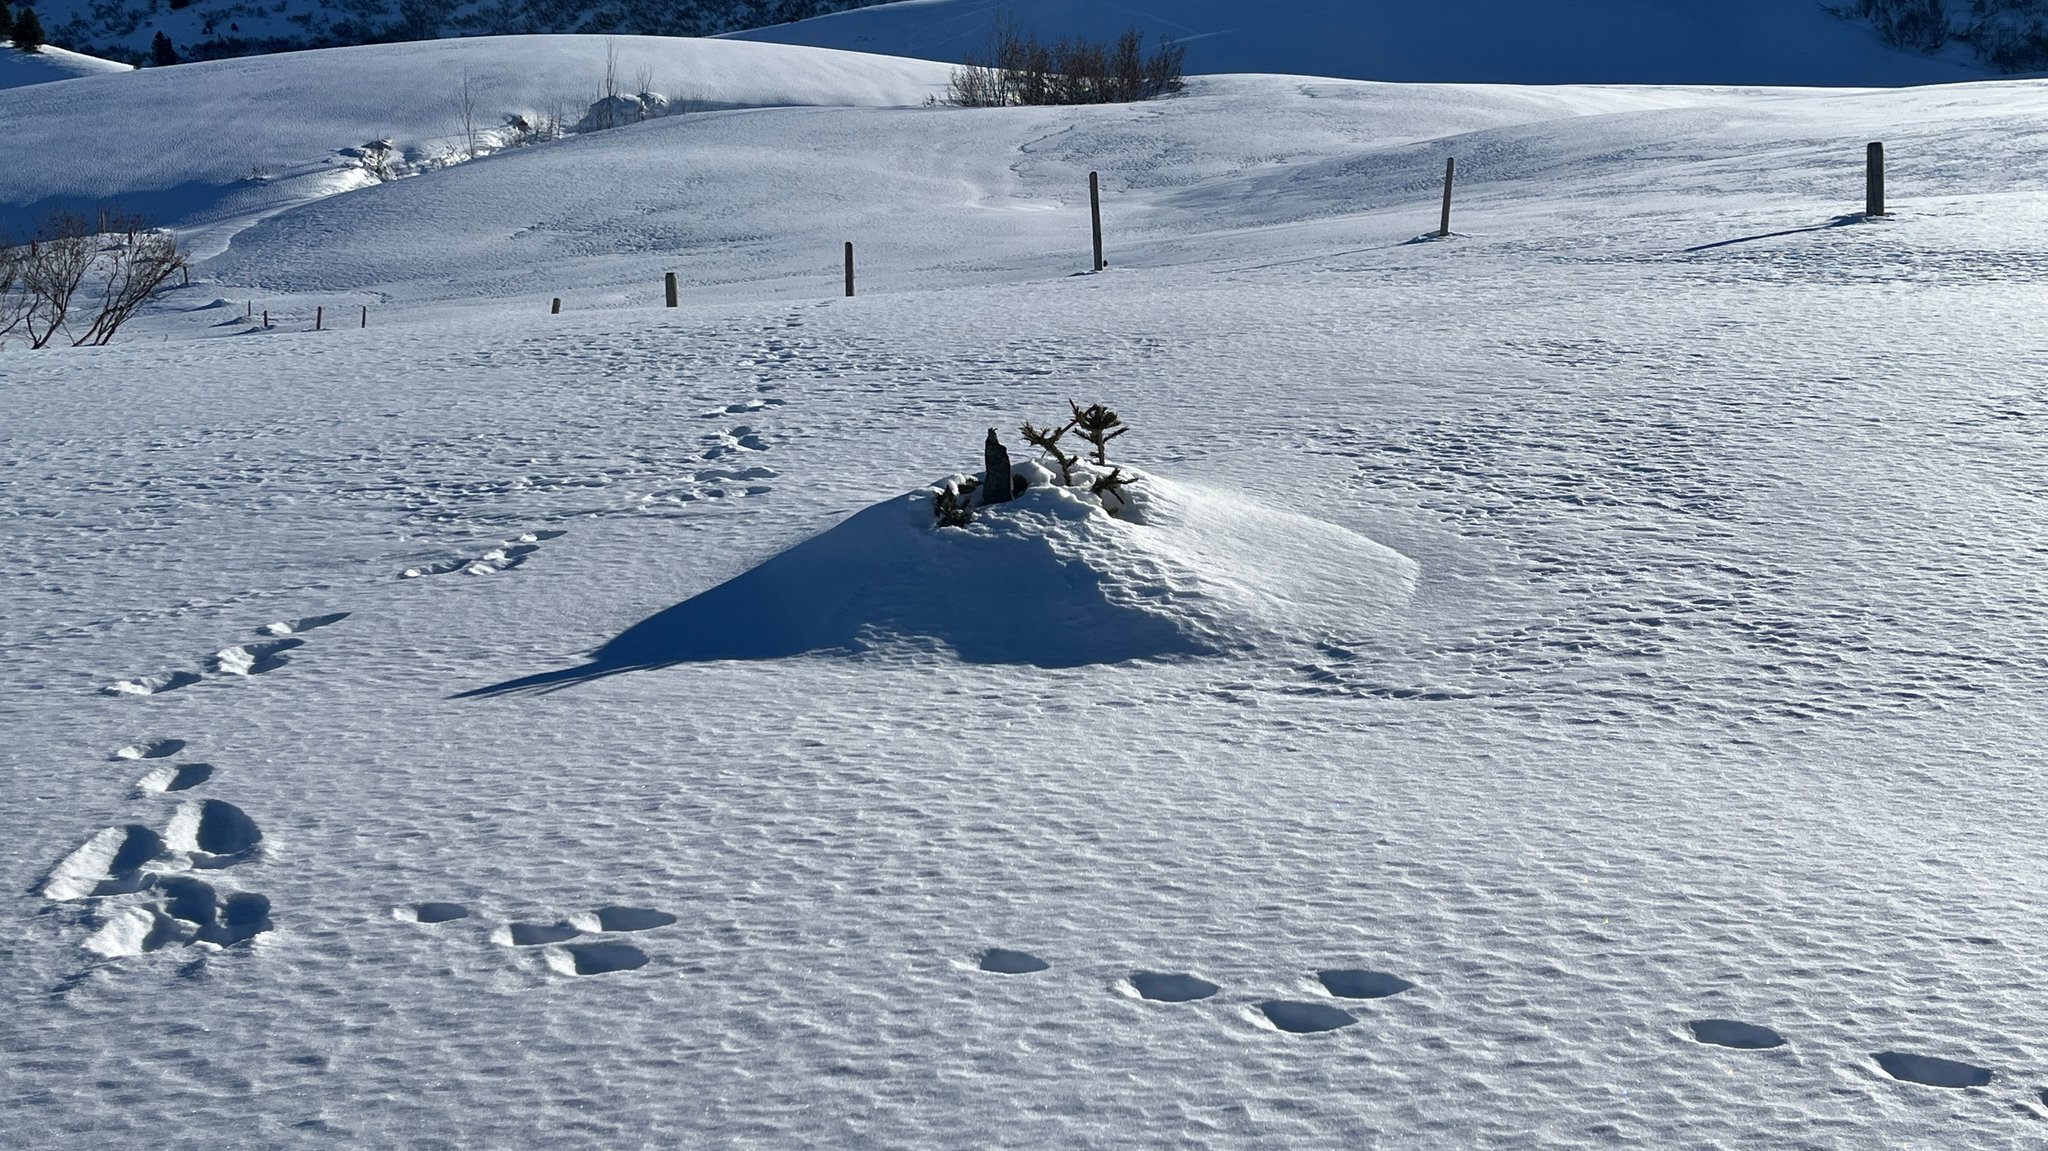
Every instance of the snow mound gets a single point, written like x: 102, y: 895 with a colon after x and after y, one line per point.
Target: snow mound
x: 1048, y: 579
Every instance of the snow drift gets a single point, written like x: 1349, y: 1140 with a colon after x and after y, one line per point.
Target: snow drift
x: 1049, y: 579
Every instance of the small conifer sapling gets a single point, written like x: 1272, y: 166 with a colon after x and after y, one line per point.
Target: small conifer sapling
x: 28, y: 31
x: 1098, y: 426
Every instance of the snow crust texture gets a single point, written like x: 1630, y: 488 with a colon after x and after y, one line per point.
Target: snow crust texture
x: 1594, y: 693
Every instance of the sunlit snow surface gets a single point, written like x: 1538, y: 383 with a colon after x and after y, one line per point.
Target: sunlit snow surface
x: 1688, y: 700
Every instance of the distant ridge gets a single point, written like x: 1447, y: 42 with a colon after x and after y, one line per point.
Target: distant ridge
x: 1736, y: 42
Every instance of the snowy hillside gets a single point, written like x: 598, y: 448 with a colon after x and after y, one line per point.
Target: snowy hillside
x: 47, y: 64
x: 1571, y: 683
x: 210, y: 29
x: 300, y: 120
x: 1475, y: 41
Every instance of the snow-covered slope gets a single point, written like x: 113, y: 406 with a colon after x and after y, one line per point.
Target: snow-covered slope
x: 223, y: 142
x: 47, y: 64
x: 1472, y: 41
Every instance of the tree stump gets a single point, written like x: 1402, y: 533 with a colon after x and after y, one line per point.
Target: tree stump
x: 995, y: 486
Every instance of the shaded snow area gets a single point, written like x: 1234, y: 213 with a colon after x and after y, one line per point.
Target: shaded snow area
x: 1469, y: 41
x: 1569, y: 684
x: 47, y: 64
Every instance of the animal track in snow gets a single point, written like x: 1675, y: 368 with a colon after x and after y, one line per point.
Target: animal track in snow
x: 1741, y: 1036
x: 1931, y: 1071
x: 741, y: 438
x: 430, y: 912
x: 244, y: 660
x: 621, y: 919
x: 154, y: 749
x: 534, y: 934
x: 214, y: 834
x: 1353, y: 984
x: 1171, y: 988
x: 175, y: 777
x: 760, y: 403
x: 1305, y: 1018
x: 109, y: 863
x: 504, y: 557
x: 253, y: 658
x: 152, y: 684
x: 1003, y: 961
x: 309, y: 623
x: 595, y: 958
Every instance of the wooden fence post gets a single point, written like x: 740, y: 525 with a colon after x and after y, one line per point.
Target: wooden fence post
x: 248, y: 310
x: 366, y: 315
x: 1095, y: 215
x: 849, y: 267
x: 555, y: 309
x: 1443, y: 230
x: 670, y: 284
x: 266, y: 319
x: 1873, y: 179
x: 318, y: 315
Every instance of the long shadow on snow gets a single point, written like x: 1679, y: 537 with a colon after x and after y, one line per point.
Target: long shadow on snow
x: 1837, y: 222
x: 1004, y: 598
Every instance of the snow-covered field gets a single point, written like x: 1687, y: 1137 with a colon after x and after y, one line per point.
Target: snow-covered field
x: 1612, y: 630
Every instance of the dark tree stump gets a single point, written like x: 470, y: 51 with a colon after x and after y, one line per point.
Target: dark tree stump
x: 995, y: 487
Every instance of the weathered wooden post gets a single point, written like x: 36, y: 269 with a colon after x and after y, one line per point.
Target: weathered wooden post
x: 671, y: 285
x: 555, y: 309
x: 849, y: 267
x: 366, y: 315
x: 1095, y: 214
x: 995, y: 476
x: 186, y: 272
x: 248, y: 310
x: 1873, y: 179
x: 1443, y: 231
x: 266, y: 319
x: 318, y: 315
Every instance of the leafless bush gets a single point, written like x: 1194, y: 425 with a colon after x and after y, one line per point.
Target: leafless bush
x: 107, y: 272
x: 1022, y: 69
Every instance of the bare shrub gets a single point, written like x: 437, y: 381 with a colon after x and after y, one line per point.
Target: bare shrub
x: 107, y: 272
x: 1022, y: 69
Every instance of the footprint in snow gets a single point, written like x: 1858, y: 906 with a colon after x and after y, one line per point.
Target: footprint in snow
x: 109, y: 863
x: 1931, y: 1071
x: 1730, y: 1033
x: 294, y: 627
x: 595, y: 958
x: 153, y: 749
x: 214, y: 834
x: 1163, y: 987
x: 175, y: 777
x: 1003, y: 961
x: 504, y: 557
x: 152, y: 684
x: 430, y: 912
x: 1348, y: 983
x: 253, y: 658
x: 1304, y: 1018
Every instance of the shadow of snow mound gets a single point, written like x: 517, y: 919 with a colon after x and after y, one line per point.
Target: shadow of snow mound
x: 1049, y: 579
